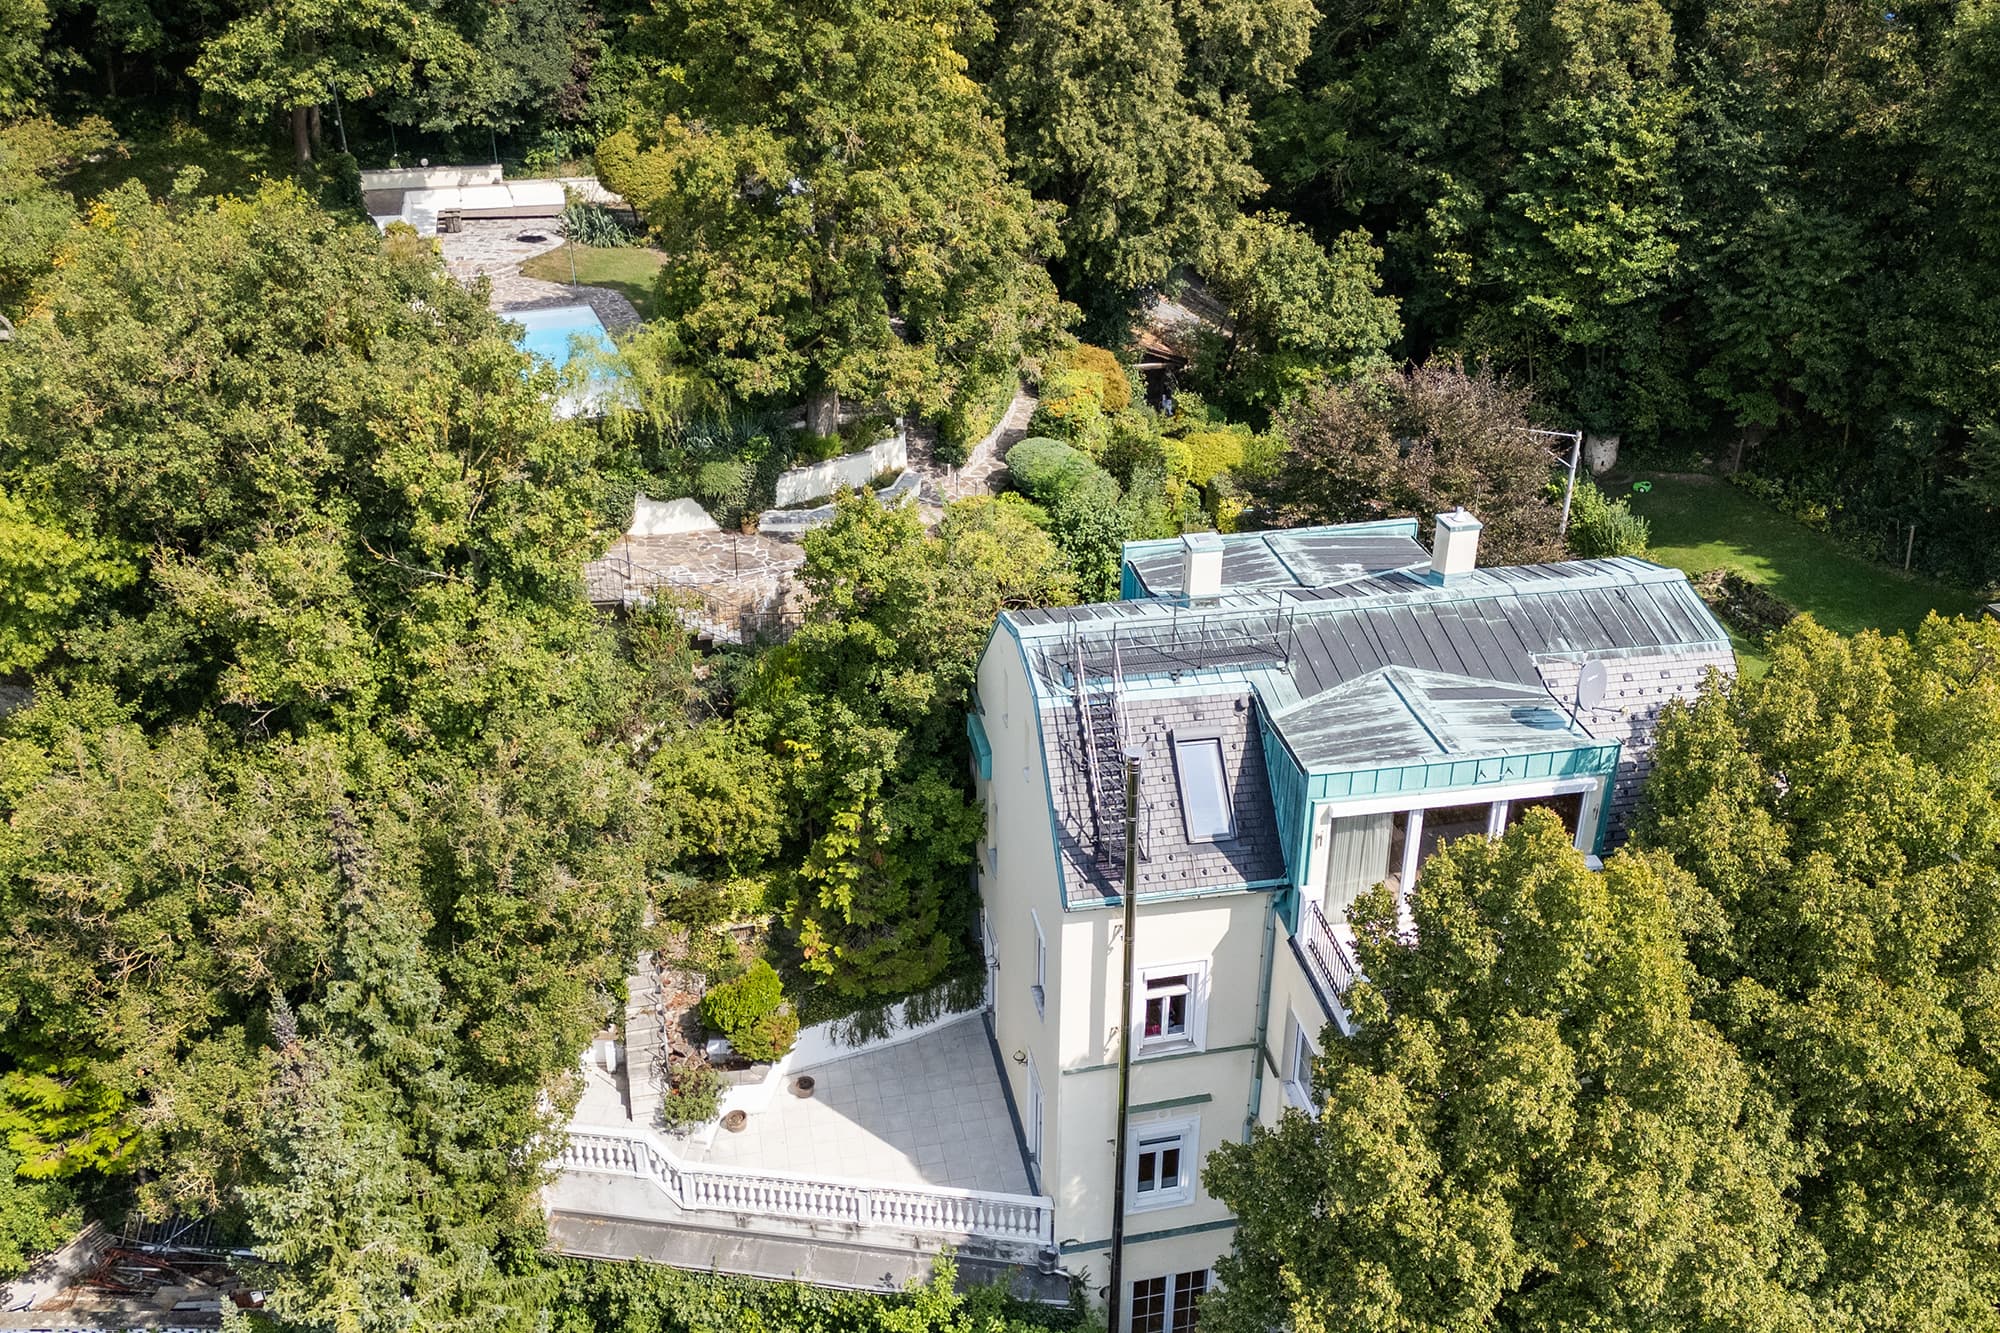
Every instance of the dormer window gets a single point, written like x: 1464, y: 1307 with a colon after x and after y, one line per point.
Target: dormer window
x: 1204, y: 789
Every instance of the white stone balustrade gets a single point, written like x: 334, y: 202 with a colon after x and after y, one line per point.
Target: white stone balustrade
x: 922, y: 1210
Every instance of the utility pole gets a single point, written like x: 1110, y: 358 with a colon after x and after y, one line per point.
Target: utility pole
x: 1131, y: 904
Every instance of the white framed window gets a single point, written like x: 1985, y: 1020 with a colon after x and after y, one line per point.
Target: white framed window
x: 1204, y: 789
x: 1040, y: 988
x: 1298, y: 1065
x: 1166, y: 1304
x: 1160, y: 1167
x: 1170, y: 1007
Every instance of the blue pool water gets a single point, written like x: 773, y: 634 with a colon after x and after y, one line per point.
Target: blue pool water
x: 556, y: 334
x: 549, y: 332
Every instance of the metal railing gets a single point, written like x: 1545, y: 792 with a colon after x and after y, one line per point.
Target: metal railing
x: 1330, y: 962
x: 922, y: 1209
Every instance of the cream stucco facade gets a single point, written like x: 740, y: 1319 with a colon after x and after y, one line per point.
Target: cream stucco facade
x: 1290, y: 755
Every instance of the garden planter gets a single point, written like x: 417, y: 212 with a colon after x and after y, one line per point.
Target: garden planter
x: 803, y: 1086
x: 734, y: 1122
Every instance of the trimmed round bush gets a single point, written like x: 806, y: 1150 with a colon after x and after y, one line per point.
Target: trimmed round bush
x: 1049, y: 471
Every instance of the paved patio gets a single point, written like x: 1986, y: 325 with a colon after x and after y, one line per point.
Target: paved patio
x: 494, y: 248
x: 931, y: 1111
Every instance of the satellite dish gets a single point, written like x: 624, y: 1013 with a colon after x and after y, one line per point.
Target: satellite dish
x: 1592, y: 685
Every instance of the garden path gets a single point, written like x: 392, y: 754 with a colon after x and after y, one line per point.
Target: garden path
x: 494, y: 248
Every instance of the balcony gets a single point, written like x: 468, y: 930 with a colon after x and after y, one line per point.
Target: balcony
x: 1328, y: 955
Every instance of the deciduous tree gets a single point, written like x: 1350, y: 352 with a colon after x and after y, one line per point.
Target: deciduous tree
x: 1840, y: 820
x: 833, y: 197
x: 1531, y: 1128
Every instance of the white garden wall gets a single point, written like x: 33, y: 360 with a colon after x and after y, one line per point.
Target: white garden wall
x: 801, y: 484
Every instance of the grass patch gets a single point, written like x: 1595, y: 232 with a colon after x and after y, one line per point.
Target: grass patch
x: 631, y: 270
x: 1704, y: 523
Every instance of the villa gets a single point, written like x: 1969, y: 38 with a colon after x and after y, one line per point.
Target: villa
x: 1309, y: 713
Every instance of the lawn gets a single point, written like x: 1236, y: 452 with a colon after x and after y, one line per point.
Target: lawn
x: 1705, y: 523
x: 631, y: 270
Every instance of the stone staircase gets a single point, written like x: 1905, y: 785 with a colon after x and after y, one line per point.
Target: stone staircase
x: 645, y: 1042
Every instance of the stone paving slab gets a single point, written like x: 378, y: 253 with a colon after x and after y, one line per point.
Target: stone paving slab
x: 495, y: 248
x: 927, y: 1112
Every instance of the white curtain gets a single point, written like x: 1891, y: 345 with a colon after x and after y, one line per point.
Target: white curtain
x: 1358, y: 860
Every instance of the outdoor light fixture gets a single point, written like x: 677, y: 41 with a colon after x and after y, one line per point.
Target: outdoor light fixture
x: 1020, y: 1057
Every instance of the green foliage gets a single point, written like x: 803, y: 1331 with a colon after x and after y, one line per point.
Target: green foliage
x: 692, y: 1099
x: 326, y: 835
x: 1418, y: 442
x: 1600, y: 526
x: 35, y: 1217
x: 1840, y: 820
x: 23, y: 72
x: 1532, y: 1127
x: 1114, y: 387
x: 1070, y: 405
x: 1209, y: 454
x: 45, y: 574
x: 295, y: 54
x: 972, y: 415
x: 587, y: 1297
x: 588, y: 224
x: 1135, y: 117
x: 750, y: 1011
x: 816, y: 170
x: 1049, y: 471
x: 863, y: 709
x: 1297, y: 313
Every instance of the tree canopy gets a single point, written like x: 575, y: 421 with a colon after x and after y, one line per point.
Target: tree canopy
x: 1840, y: 821
x: 1531, y: 1128
x: 324, y: 842
x: 834, y: 200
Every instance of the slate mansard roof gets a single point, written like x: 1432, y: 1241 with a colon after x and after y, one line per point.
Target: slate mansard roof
x: 1381, y: 666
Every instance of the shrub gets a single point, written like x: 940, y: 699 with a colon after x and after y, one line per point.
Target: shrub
x: 723, y: 485
x: 1600, y: 526
x: 1047, y: 471
x: 693, y: 1097
x: 588, y: 224
x: 974, y: 411
x: 1742, y: 603
x: 1072, y: 406
x: 751, y: 1012
x: 1114, y: 387
x: 1212, y: 453
x: 862, y: 432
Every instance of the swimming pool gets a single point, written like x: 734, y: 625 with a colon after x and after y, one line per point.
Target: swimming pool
x: 548, y: 332
x: 555, y: 334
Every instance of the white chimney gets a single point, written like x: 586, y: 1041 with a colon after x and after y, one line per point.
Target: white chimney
x: 1455, y: 549
x: 1201, y: 564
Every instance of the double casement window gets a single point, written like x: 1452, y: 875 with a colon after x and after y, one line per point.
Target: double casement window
x: 1166, y: 1304
x: 1161, y: 1164
x: 1170, y: 1006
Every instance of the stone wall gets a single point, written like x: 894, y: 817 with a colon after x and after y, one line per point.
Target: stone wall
x: 431, y: 178
x: 801, y: 484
